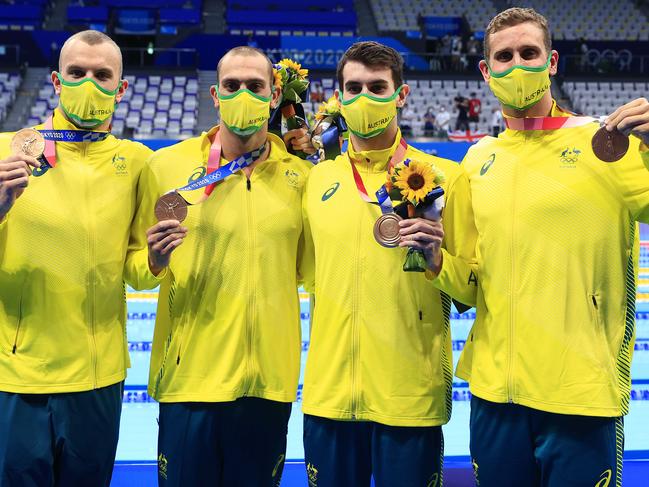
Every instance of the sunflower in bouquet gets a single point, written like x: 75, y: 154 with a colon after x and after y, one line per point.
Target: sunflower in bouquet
x: 292, y: 82
x: 417, y: 185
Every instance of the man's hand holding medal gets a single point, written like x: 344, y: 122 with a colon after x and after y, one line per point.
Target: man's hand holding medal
x: 27, y: 145
x: 416, y: 222
x: 631, y: 119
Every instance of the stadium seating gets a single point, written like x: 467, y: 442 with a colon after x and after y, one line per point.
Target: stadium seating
x: 9, y: 83
x: 139, y: 16
x: 23, y: 14
x: 309, y: 15
x: 153, y: 107
x: 594, y: 19
x: 402, y: 14
x: 591, y: 19
x: 597, y: 98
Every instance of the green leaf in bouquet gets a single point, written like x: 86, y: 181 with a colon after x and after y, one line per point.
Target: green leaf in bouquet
x: 415, y: 261
x: 395, y: 194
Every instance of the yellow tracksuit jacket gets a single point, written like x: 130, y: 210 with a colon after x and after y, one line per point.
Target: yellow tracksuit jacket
x: 62, y: 251
x: 228, y: 320
x: 380, y: 340
x: 557, y: 259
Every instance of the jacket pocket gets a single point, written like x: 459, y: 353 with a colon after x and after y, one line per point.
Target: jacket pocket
x: 177, y: 331
x: 181, y: 338
x: 428, y: 357
x: 161, y: 370
x: 603, y: 349
x: 19, y: 328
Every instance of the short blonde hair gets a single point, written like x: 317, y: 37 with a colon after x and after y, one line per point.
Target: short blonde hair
x: 515, y: 16
x: 92, y: 38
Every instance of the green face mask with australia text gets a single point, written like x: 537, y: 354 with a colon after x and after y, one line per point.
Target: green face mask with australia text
x: 85, y: 103
x: 520, y: 87
x: 367, y: 115
x: 244, y: 112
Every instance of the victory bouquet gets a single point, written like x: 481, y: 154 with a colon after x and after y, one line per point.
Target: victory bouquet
x: 292, y: 79
x: 328, y: 132
x: 417, y: 185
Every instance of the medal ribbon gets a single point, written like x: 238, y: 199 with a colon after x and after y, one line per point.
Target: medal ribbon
x: 52, y: 136
x: 213, y: 161
x: 382, y: 196
x: 218, y: 173
x: 547, y: 123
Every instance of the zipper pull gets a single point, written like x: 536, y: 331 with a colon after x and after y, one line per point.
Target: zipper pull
x: 178, y: 360
x: 248, y: 184
x: 13, y: 350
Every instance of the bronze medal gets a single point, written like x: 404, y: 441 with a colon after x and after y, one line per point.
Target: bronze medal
x: 386, y: 230
x: 610, y: 146
x: 171, y: 206
x: 28, y: 142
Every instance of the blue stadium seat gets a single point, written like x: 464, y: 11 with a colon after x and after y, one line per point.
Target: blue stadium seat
x: 87, y: 14
x: 22, y: 15
x: 179, y: 16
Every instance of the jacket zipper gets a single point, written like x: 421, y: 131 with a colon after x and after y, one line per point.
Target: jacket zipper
x: 251, y: 296
x: 181, y: 327
x: 355, y: 339
x: 512, y: 288
x: 91, y: 261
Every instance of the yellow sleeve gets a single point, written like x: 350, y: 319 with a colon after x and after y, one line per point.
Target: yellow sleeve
x: 136, y: 269
x: 306, y: 250
x: 458, y: 276
x: 633, y: 180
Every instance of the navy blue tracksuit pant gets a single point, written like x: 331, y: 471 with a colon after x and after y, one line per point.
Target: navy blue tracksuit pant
x: 66, y: 439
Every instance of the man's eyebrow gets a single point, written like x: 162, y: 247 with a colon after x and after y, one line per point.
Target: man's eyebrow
x: 530, y: 46
x: 510, y: 49
x: 378, y: 81
x: 246, y: 81
x: 103, y: 69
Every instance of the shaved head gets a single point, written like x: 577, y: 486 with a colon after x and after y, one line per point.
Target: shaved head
x: 91, y: 55
x: 246, y: 51
x: 91, y: 38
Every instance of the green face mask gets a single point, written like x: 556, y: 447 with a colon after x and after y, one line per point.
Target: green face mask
x: 368, y: 116
x: 244, y: 112
x: 520, y: 87
x: 85, y: 103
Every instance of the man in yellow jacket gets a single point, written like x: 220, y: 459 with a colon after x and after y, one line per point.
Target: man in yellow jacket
x: 226, y: 348
x: 556, y: 200
x: 65, y: 222
x: 378, y: 376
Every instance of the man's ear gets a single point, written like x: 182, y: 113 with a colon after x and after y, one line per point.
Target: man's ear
x: 56, y: 82
x: 275, y: 97
x: 554, y: 62
x: 123, y: 85
x: 214, y: 96
x: 403, y: 95
x: 484, y: 70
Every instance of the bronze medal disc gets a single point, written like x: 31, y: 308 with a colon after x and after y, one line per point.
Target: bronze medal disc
x: 610, y: 146
x: 171, y: 206
x: 28, y: 142
x: 386, y: 230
